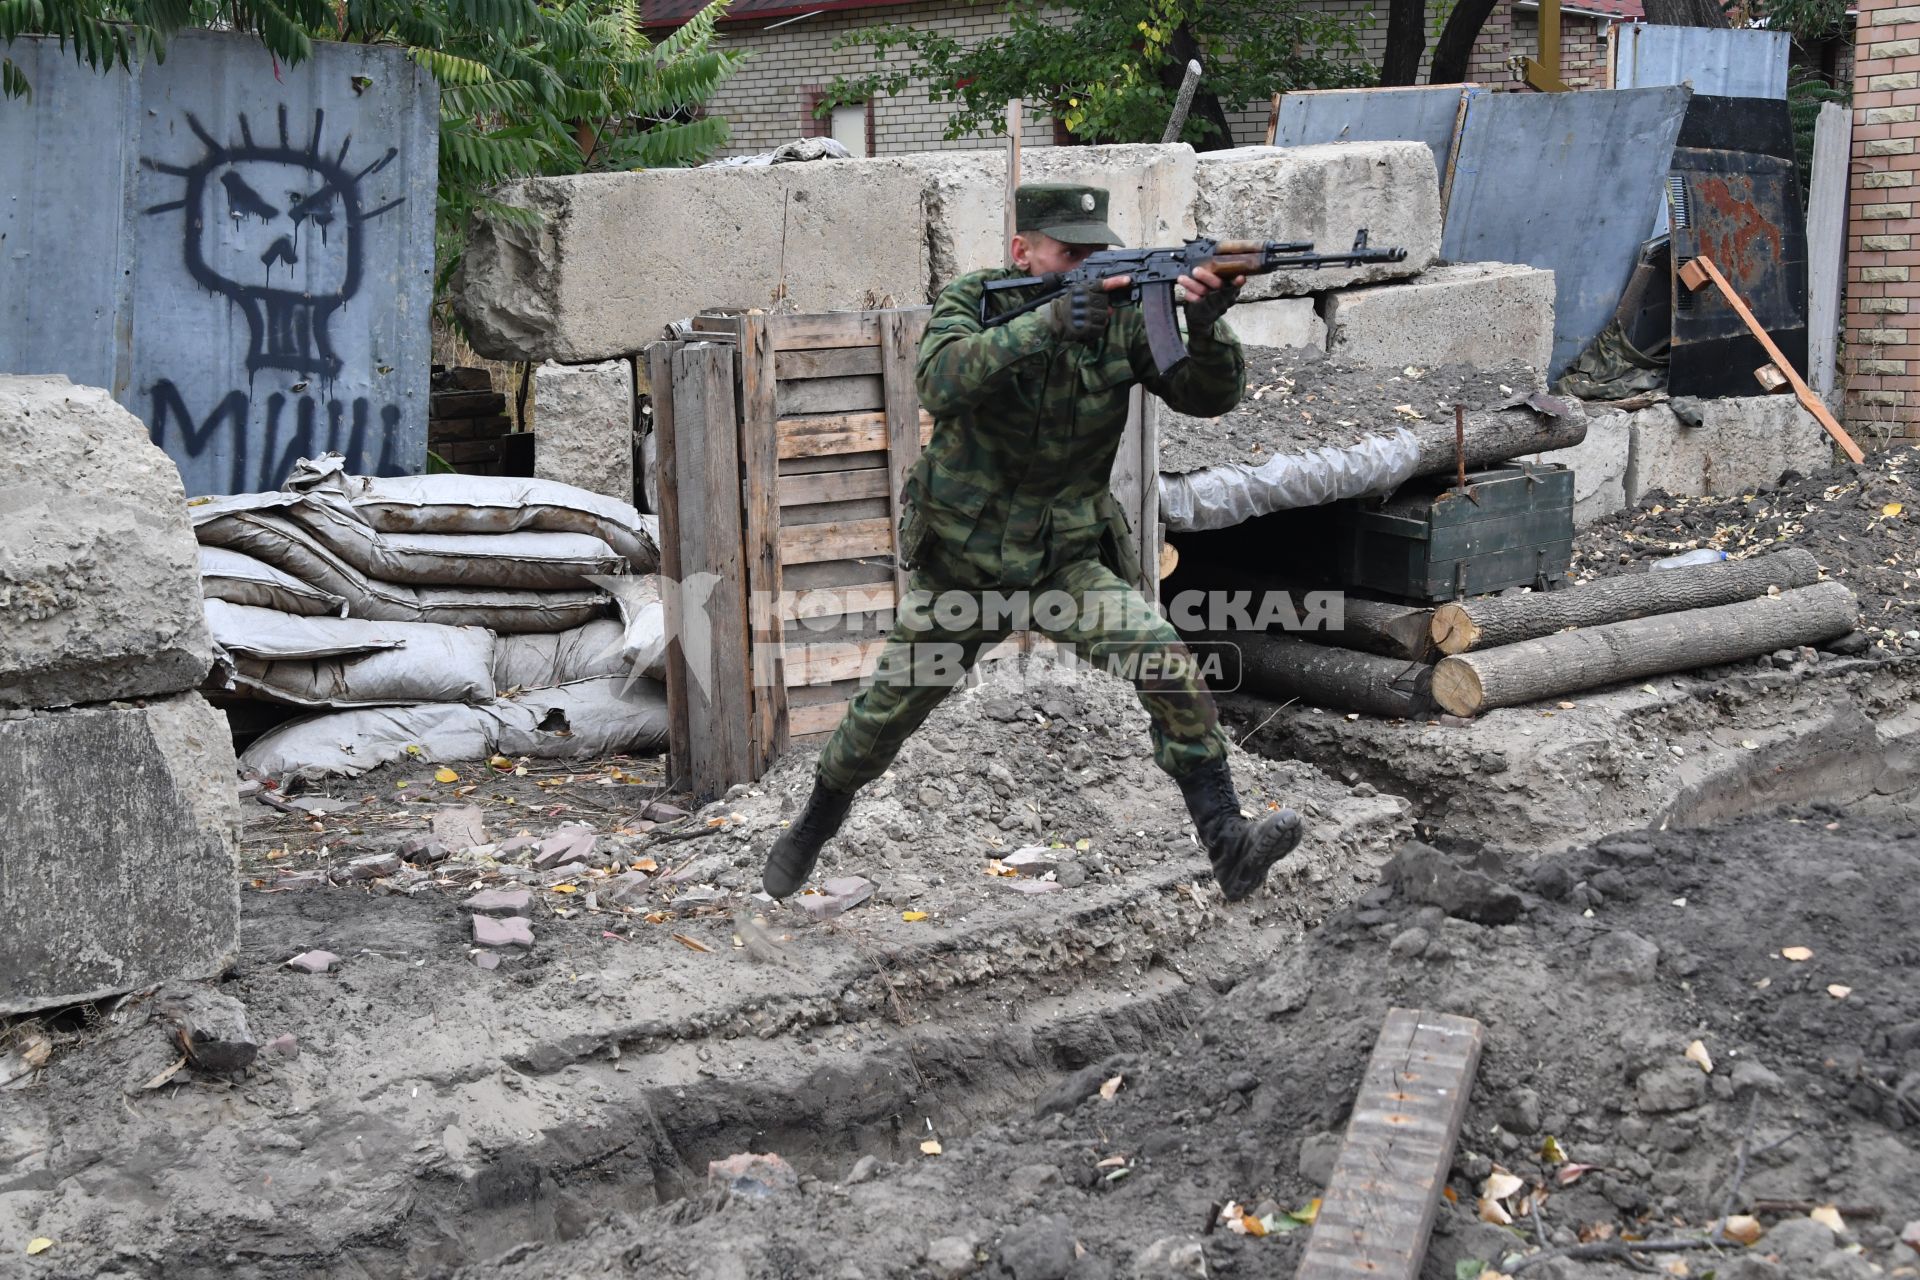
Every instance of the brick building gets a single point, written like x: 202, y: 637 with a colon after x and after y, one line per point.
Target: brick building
x: 772, y: 98
x: 1883, y: 330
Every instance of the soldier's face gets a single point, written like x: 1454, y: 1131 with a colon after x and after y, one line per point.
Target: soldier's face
x: 1040, y: 254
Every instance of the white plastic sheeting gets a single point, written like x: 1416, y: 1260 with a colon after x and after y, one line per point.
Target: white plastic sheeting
x: 586, y: 718
x: 1219, y: 497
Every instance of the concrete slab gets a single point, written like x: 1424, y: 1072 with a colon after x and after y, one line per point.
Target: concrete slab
x: 583, y: 435
x: 1599, y: 467
x: 1278, y: 322
x: 99, y: 571
x: 1149, y: 197
x: 1739, y: 442
x: 1485, y: 314
x: 120, y: 866
x: 616, y: 256
x: 1324, y: 194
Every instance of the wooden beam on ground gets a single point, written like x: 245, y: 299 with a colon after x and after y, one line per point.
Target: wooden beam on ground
x: 1701, y: 271
x: 1468, y: 683
x: 1379, y: 1207
x: 1497, y: 620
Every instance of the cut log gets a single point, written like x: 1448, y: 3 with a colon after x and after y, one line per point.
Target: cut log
x: 1278, y: 666
x: 1489, y: 623
x: 1468, y: 683
x: 1392, y: 630
x: 211, y: 1029
x: 1542, y: 424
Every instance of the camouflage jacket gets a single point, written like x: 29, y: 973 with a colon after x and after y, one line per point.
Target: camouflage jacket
x: 1014, y: 484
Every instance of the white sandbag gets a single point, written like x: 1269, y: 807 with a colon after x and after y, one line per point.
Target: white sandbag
x: 238, y: 578
x: 600, y: 717
x: 539, y: 662
x: 267, y: 535
x: 488, y: 504
x: 529, y: 560
x: 249, y: 631
x: 349, y: 662
x: 645, y: 644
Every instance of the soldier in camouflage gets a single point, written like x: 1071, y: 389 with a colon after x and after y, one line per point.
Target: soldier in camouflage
x: 1010, y: 501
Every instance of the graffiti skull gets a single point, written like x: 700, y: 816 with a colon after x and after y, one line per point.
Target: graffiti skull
x: 276, y: 228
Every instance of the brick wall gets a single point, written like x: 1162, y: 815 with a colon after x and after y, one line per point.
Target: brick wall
x: 1883, y: 334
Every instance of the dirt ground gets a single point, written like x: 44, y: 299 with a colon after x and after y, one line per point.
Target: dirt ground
x: 555, y: 1115
x: 1300, y: 399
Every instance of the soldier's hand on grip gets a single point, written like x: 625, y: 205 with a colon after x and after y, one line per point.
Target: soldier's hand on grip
x: 1080, y: 314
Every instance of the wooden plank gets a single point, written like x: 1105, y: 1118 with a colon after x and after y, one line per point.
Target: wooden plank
x: 837, y: 573
x: 842, y: 540
x: 1827, y: 243
x: 828, y: 362
x: 899, y: 344
x: 834, y: 486
x: 1273, y: 119
x: 819, y: 717
x: 760, y: 465
x: 1016, y: 117
x: 830, y: 602
x: 1453, y: 149
x: 715, y: 326
x: 1379, y: 1206
x: 858, y: 460
x: 794, y: 517
x: 679, y: 743
x: 715, y: 638
x: 1699, y: 272
x: 840, y: 433
x: 831, y: 329
x: 819, y: 663
x: 830, y: 395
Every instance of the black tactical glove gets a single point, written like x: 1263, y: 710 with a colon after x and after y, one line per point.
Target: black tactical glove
x: 1202, y: 314
x: 1080, y: 314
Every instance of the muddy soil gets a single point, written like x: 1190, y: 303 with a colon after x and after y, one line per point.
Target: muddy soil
x: 1861, y: 521
x: 1300, y: 399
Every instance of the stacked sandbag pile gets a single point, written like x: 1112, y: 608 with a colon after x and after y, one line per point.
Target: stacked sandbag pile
x: 460, y: 616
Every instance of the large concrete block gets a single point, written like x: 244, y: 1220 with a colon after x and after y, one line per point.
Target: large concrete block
x: 1278, y: 322
x: 1599, y: 466
x: 99, y: 572
x: 1150, y: 190
x: 583, y: 431
x: 616, y: 256
x: 1324, y: 194
x: 1739, y: 442
x: 1489, y: 315
x: 120, y: 866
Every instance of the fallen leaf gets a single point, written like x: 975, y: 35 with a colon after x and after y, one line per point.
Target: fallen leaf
x: 166, y: 1074
x: 1565, y: 706
x: 1552, y: 1152
x: 1675, y: 1267
x: 647, y: 865
x: 1742, y: 1229
x: 1892, y: 509
x: 1111, y: 1162
x: 565, y: 888
x: 1253, y: 1226
x: 500, y: 762
x: 1500, y: 1184
x: 1453, y: 1197
x: 1469, y: 1269
x: 911, y: 916
x: 444, y: 774
x: 39, y: 1244
x: 1568, y: 1174
x: 930, y: 1147
x: 1839, y: 992
x: 1492, y: 1211
x: 1309, y: 1213
x: 1796, y: 954
x: 1111, y: 1087
x: 1829, y: 1217
x: 413, y: 749
x: 692, y: 944
x: 1697, y: 1053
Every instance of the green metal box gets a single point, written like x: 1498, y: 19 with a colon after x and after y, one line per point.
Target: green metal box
x: 1430, y: 541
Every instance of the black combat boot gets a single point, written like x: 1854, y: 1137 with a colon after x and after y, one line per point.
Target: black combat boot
x: 798, y: 847
x: 1241, y: 851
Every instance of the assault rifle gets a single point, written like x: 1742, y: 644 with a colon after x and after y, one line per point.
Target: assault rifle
x: 1153, y: 273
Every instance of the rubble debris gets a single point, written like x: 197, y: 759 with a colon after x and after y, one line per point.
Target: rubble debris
x: 500, y: 902
x: 502, y: 931
x: 314, y: 961
x: 754, y: 1175
x: 209, y: 1028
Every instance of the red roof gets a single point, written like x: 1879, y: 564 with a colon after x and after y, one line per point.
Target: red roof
x: 671, y: 13
x: 1619, y: 10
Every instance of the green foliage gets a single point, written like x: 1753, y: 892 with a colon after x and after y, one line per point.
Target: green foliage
x: 528, y: 87
x: 1096, y: 64
x: 1806, y: 20
x: 1806, y: 91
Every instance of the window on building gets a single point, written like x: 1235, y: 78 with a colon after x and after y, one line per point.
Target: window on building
x: 852, y: 127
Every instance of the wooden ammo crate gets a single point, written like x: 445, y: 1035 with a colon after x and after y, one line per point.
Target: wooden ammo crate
x: 1430, y: 542
x: 782, y: 445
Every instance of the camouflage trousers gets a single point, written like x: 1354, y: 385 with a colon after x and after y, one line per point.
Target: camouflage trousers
x: 936, y: 638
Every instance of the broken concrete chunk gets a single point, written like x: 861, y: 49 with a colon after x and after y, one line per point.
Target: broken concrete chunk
x: 1670, y: 1087
x: 487, y: 959
x: 1041, y: 1249
x: 753, y: 1175
x: 423, y: 851
x: 1415, y: 322
x: 460, y: 828
x: 1171, y: 1258
x: 284, y: 1046
x: 661, y: 811
x: 1458, y: 886
x: 101, y: 596
x: 566, y: 844
x: 314, y: 961
x: 120, y: 866
x: 838, y: 896
x: 583, y: 426
x: 1622, y: 959
x: 1020, y: 884
x: 507, y: 931
x: 371, y: 867
x: 500, y: 902
x: 951, y: 1257
x: 628, y: 889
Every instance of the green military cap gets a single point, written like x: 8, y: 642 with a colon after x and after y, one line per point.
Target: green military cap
x: 1070, y: 214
